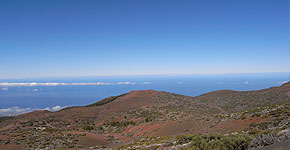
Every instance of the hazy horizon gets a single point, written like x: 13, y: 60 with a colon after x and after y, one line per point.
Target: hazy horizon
x: 25, y: 95
x: 139, y: 75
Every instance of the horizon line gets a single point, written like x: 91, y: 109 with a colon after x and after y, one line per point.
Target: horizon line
x: 136, y: 75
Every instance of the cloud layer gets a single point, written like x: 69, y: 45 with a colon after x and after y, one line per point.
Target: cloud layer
x: 13, y: 111
x: 120, y: 83
x: 6, y: 84
x: 145, y: 83
x: 5, y: 89
x: 282, y: 82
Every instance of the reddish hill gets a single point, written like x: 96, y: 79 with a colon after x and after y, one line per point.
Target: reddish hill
x: 120, y: 119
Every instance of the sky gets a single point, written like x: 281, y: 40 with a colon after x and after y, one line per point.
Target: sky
x: 73, y: 38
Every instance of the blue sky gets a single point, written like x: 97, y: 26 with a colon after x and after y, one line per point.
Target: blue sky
x: 59, y: 38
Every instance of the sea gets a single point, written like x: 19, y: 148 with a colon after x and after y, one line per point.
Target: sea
x: 24, y: 95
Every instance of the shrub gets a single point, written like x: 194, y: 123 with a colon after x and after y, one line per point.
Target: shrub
x: 264, y: 125
x: 148, y: 119
x: 88, y: 127
x: 216, y: 141
x: 254, y: 131
x: 243, y: 117
x: 122, y: 123
x: 181, y: 139
x: 252, y: 124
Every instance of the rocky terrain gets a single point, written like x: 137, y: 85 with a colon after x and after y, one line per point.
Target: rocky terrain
x: 158, y: 120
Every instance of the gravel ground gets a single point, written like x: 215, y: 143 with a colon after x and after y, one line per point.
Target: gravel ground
x: 285, y: 145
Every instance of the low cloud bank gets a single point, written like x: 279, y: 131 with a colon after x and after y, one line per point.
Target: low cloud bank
x: 120, y: 83
x: 51, y: 84
x: 282, y: 82
x: 5, y: 89
x: 146, y: 83
x: 13, y: 111
x: 6, y: 84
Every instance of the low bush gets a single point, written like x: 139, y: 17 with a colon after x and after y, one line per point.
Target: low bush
x: 88, y: 127
x: 216, y: 141
x: 122, y: 123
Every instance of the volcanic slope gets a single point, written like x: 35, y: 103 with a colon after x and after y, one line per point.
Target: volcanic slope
x: 119, y: 120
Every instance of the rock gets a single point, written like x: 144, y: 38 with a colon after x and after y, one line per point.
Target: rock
x: 284, y: 134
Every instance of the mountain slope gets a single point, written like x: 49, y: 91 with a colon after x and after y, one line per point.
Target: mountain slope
x: 119, y: 120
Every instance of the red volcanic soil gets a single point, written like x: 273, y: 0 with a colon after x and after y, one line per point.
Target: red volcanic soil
x: 191, y: 126
x: 236, y: 125
x: 90, y: 139
x: 182, y: 127
x: 11, y: 147
x: 34, y: 114
x: 147, y: 129
x: 133, y: 100
x: 7, y: 127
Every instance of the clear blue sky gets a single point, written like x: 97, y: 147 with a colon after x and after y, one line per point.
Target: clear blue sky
x: 58, y: 38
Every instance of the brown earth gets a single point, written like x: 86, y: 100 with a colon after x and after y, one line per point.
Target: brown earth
x: 153, y: 113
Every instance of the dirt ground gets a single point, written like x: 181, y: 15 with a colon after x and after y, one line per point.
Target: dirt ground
x: 285, y: 145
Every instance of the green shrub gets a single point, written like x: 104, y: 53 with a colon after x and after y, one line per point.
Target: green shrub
x: 148, y: 119
x: 216, y: 141
x: 264, y: 125
x: 254, y: 131
x: 181, y: 139
x: 88, y: 127
x: 243, y: 117
x: 122, y: 123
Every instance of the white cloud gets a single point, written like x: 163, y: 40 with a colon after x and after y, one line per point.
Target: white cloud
x: 52, y: 84
x: 93, y: 83
x: 56, y: 108
x: 13, y: 111
x: 246, y: 82
x: 5, y: 89
x: 34, y: 90
x: 30, y: 84
x: 282, y: 82
x: 120, y: 83
x: 146, y: 83
x: 179, y: 82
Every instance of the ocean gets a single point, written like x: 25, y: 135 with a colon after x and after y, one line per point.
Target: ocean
x: 24, y: 95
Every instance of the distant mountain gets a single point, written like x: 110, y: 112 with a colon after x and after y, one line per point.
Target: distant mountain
x: 138, y: 116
